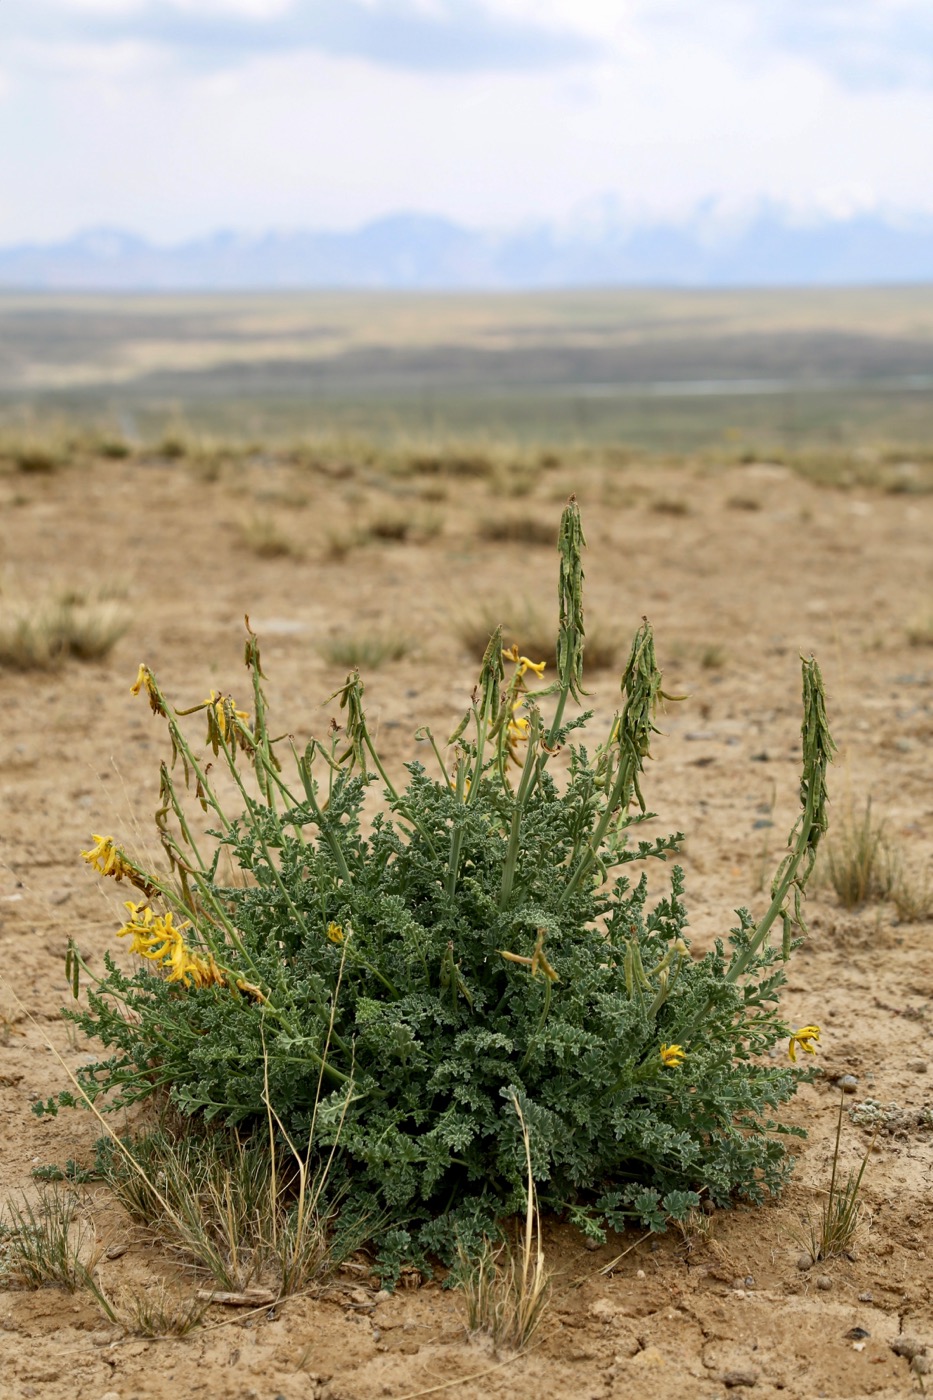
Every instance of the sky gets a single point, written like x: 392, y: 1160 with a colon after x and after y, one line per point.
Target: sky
x: 175, y: 118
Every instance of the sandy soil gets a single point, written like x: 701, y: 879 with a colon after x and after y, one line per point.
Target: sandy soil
x: 739, y: 570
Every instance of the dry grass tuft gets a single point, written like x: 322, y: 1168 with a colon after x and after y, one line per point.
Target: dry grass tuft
x: 155, y: 1313
x: 231, y: 1209
x: 506, y: 1288
x: 395, y: 526
x: 517, y: 529
x: 365, y: 650
x: 747, y: 503
x: 671, y: 505
x: 34, y: 456
x: 920, y: 631
x: 712, y: 657
x: 859, y: 862
x: 173, y: 447
x: 525, y: 627
x: 451, y: 461
x: 40, y: 636
x: 262, y: 536
x: 46, y: 1242
x: 912, y: 896
x: 832, y: 1234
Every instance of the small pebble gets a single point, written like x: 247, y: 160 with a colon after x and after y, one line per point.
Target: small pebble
x: 866, y: 1298
x: 855, y: 1334
x: 590, y: 1243
x: 907, y: 1346
x: 917, y: 1066
x: 824, y: 1282
x: 805, y: 1261
x: 749, y: 1281
x: 921, y: 1365
x: 732, y: 1379
x: 639, y: 1273
x: 848, y: 1083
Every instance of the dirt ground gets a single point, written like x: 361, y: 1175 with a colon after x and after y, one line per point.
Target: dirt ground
x: 739, y: 569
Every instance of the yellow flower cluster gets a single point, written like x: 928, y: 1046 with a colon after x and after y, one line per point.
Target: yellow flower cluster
x: 518, y: 724
x: 223, y: 710
x: 146, y: 680
x: 335, y: 933
x: 805, y: 1038
x: 108, y: 859
x: 157, y: 938
x: 672, y: 1056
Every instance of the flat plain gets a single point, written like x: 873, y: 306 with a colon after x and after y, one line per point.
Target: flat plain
x: 659, y: 369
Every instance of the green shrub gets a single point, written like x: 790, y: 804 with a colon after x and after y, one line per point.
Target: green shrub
x: 390, y: 983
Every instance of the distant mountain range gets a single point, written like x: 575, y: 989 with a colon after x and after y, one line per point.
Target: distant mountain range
x: 420, y: 252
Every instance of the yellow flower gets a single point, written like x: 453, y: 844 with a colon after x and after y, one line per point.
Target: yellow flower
x: 104, y: 857
x: 805, y: 1038
x: 672, y: 1056
x: 335, y: 933
x: 524, y: 663
x: 146, y: 679
x: 108, y: 859
x: 156, y: 938
x: 518, y: 725
x: 224, y: 710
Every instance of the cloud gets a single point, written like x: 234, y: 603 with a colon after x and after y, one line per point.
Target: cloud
x: 866, y: 44
x: 447, y: 36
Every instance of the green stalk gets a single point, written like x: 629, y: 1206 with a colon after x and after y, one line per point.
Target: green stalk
x: 619, y: 797
x: 456, y: 840
x: 796, y: 867
x: 521, y: 800
x: 641, y: 685
x: 323, y: 823
x: 780, y: 890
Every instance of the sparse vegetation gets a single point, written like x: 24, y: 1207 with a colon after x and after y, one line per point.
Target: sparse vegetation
x: 712, y: 656
x: 39, y: 636
x: 173, y: 447
x: 235, y: 1210
x: 516, y: 529
x: 920, y: 630
x: 263, y: 536
x: 832, y: 1234
x: 506, y: 1286
x: 671, y: 505
x: 859, y: 863
x: 525, y: 626
x: 365, y: 650
x: 912, y: 894
x: 448, y: 461
x: 157, y: 1313
x: 47, y: 1241
x: 744, y: 502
